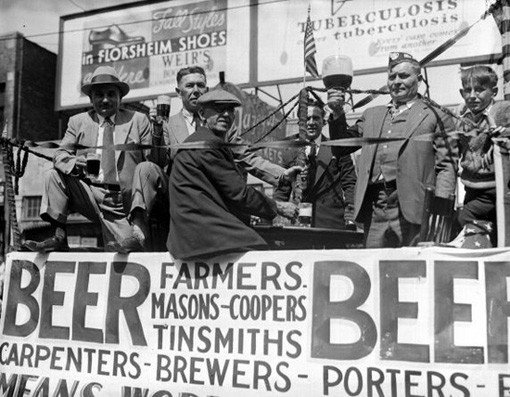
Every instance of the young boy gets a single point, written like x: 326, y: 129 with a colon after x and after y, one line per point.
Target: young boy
x: 478, y: 215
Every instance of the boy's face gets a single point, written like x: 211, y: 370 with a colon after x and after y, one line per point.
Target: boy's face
x: 477, y: 96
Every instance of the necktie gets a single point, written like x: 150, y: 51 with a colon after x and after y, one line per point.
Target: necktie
x: 196, y: 121
x: 108, y: 156
x: 312, y: 167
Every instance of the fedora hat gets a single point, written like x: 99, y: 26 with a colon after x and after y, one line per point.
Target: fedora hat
x: 105, y: 75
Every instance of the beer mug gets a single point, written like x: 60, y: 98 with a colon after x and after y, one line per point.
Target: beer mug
x: 305, y: 211
x: 93, y: 164
x: 337, y: 72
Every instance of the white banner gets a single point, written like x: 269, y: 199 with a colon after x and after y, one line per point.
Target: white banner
x: 406, y: 322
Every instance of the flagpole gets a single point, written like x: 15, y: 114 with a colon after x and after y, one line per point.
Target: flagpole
x: 304, y: 45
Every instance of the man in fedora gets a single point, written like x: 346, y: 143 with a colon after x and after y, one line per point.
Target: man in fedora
x: 210, y: 202
x: 393, y: 176
x: 103, y: 195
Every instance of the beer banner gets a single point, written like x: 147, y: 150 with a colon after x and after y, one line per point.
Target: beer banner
x: 394, y: 322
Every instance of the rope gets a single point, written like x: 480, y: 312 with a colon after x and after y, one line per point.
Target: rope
x: 7, y: 159
x: 277, y: 124
x: 270, y: 115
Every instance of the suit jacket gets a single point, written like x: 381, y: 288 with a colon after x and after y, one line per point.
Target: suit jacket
x: 332, y: 191
x: 176, y: 131
x: 420, y: 164
x: 130, y: 127
x: 210, y: 202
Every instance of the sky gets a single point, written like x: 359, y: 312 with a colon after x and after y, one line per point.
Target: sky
x: 38, y: 20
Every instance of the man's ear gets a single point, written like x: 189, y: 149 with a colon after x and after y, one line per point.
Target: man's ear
x: 420, y: 77
x: 495, y: 91
x: 461, y: 92
x: 178, y: 90
x: 200, y: 112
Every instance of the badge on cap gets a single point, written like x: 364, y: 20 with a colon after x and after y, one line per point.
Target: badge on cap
x: 398, y: 57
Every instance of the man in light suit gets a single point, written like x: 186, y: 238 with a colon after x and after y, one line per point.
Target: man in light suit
x: 392, y: 176
x: 191, y: 85
x: 105, y: 197
x: 330, y: 180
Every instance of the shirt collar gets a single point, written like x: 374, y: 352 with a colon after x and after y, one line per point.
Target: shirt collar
x: 187, y: 114
x: 467, y: 111
x: 102, y: 119
x: 403, y: 106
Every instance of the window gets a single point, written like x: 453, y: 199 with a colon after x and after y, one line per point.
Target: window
x: 31, y: 206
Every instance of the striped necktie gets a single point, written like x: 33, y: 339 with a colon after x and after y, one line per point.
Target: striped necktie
x: 108, y: 156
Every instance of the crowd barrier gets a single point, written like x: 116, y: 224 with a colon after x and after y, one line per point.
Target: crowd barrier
x: 392, y: 322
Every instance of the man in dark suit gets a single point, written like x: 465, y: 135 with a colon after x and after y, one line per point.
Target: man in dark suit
x: 329, y: 180
x: 210, y: 201
x: 392, y: 176
x: 104, y: 197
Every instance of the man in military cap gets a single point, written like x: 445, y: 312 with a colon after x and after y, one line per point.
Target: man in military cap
x: 102, y: 195
x: 392, y: 176
x: 210, y: 201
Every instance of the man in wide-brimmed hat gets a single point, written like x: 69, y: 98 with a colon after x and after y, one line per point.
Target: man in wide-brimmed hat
x: 103, y: 195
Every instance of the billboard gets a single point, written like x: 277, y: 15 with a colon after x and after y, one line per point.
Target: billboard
x: 258, y: 42
x: 411, y: 321
x: 147, y: 44
x: 367, y: 31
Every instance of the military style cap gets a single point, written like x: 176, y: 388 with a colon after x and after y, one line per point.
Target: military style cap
x: 219, y: 97
x: 398, y: 57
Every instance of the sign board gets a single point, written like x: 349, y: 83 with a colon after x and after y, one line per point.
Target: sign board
x: 147, y: 44
x: 367, y: 31
x: 389, y: 322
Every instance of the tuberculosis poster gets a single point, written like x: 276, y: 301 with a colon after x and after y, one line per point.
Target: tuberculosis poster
x: 407, y: 322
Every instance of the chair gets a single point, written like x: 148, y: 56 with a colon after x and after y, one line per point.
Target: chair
x: 437, y: 218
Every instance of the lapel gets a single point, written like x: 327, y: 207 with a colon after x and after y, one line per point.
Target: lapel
x: 323, y: 161
x: 180, y: 128
x: 90, y: 137
x: 414, y: 118
x: 374, y: 129
x: 122, y: 127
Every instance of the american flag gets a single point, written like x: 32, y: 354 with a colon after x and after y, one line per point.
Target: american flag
x: 310, y: 64
x: 501, y: 14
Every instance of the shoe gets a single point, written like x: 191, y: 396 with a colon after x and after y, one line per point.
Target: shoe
x: 113, y: 36
x: 129, y: 244
x: 48, y: 245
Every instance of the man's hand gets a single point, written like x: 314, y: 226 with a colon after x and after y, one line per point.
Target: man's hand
x: 286, y: 209
x: 336, y: 101
x: 80, y: 166
x: 290, y: 173
x: 499, y: 131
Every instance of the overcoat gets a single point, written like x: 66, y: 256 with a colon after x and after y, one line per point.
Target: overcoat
x: 210, y: 202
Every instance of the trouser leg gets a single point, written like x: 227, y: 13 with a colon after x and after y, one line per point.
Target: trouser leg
x: 64, y: 194
x: 149, y: 184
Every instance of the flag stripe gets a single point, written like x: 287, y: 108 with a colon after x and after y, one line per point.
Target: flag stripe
x: 501, y: 15
x: 309, y: 49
